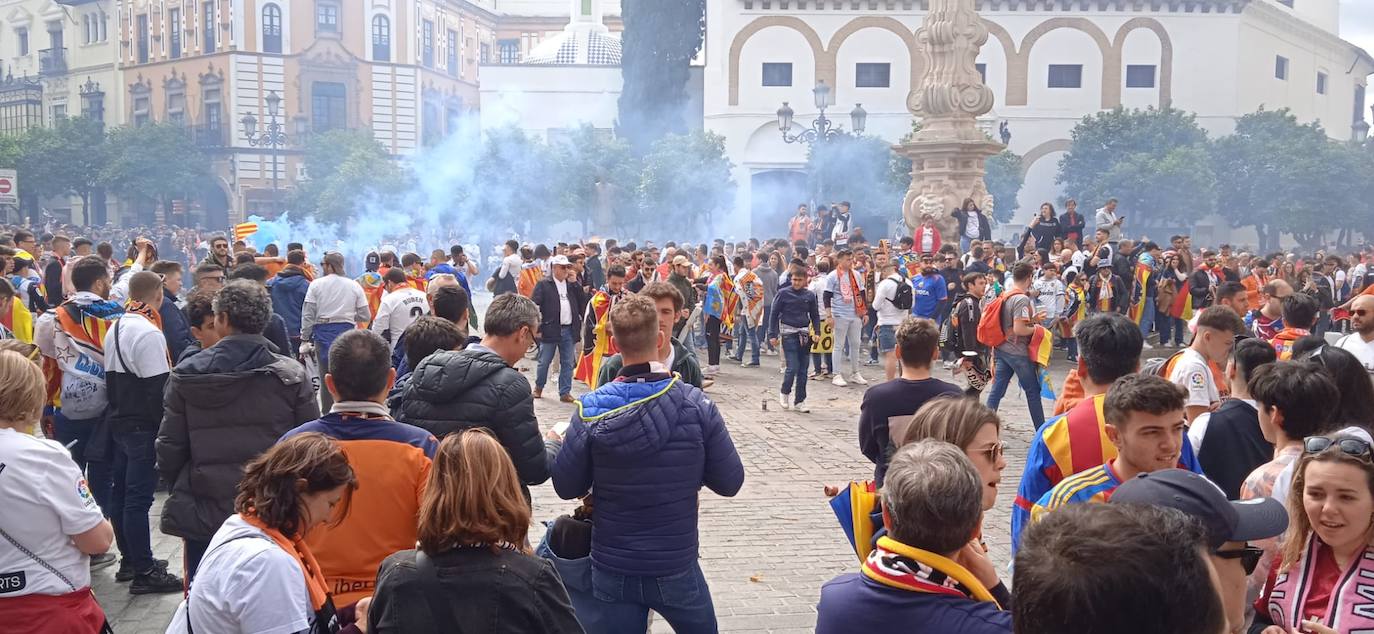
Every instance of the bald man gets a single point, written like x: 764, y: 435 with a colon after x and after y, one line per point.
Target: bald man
x: 1361, y: 342
x: 1268, y: 320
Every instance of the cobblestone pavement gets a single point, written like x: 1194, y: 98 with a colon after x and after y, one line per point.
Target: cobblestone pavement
x: 767, y: 551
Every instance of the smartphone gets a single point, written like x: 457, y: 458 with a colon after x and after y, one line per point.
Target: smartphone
x: 562, y: 428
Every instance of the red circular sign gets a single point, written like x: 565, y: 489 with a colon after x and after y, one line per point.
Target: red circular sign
x: 5, y: 186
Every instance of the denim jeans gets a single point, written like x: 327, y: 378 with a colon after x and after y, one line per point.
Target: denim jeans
x: 1170, y: 325
x: 1024, y: 369
x: 795, y: 353
x: 577, y: 580
x: 964, y: 244
x: 744, y: 336
x: 623, y: 602
x: 135, y: 477
x: 847, y: 331
x: 77, y: 434
x: 762, y: 331
x: 1147, y: 318
x: 567, y: 356
x: 825, y: 358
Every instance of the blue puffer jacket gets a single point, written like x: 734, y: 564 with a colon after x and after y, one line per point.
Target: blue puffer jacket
x: 647, y: 448
x: 288, y: 297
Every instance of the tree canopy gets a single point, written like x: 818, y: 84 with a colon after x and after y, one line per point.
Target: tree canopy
x: 687, y: 174
x: 347, y: 170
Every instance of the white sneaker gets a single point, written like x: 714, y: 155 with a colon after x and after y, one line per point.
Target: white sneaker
x: 802, y: 407
x: 838, y: 381
x: 712, y: 371
x: 858, y: 378
x: 1147, y: 346
x: 782, y: 400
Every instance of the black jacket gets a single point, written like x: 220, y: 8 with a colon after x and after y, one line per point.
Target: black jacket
x: 1121, y: 296
x: 1071, y: 227
x: 1233, y: 446
x: 224, y: 405
x: 477, y: 590
x: 175, y: 327
x: 545, y: 296
x: 1200, y: 287
x: 984, y: 225
x: 454, y: 390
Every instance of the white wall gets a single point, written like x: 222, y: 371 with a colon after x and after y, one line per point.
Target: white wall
x: 538, y: 98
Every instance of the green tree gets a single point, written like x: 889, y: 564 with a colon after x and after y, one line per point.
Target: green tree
x: 158, y: 162
x: 511, y: 179
x: 1154, y: 162
x: 75, y: 155
x: 686, y: 180
x: 659, y: 41
x: 1004, y: 180
x: 347, y: 170
x: 1281, y: 176
x: 590, y: 169
x: 864, y: 171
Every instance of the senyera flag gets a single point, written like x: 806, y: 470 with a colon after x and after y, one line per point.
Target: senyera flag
x: 1139, y: 291
x: 1182, y: 308
x: 245, y: 229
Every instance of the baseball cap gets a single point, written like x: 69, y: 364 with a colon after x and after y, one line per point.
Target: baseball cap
x: 681, y: 260
x: 560, y: 260
x: 373, y: 261
x: 1197, y: 497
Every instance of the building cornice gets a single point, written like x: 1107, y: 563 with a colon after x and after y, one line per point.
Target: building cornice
x: 1039, y: 6
x: 1287, y: 22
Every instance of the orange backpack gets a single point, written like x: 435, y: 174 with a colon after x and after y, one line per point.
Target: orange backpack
x: 990, y: 330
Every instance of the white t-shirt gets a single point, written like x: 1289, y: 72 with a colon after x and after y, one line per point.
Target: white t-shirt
x: 510, y: 266
x: 398, y: 310
x: 1051, y: 298
x: 888, y: 313
x: 141, y: 350
x: 565, y: 316
x: 1079, y: 258
x: 1193, y: 373
x: 44, y: 500
x: 246, y: 585
x: 1363, y: 350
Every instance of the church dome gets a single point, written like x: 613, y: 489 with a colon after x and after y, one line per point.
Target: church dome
x: 577, y: 47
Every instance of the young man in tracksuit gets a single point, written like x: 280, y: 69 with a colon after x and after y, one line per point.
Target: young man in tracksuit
x: 795, y: 316
x: 961, y: 336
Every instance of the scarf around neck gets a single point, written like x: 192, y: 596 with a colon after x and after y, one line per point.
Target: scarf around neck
x: 147, y: 311
x: 295, y: 546
x: 897, y: 565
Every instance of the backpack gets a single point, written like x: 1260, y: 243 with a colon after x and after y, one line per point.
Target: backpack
x: 904, y: 296
x: 1159, y: 366
x: 990, y: 331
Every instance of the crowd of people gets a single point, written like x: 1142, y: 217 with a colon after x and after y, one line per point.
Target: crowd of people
x: 354, y: 450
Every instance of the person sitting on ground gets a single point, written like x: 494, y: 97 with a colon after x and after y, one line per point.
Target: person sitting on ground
x: 453, y: 390
x: 223, y: 406
x: 259, y: 574
x: 1073, y: 575
x: 472, y: 553
x: 1144, y: 415
x: 48, y: 508
x: 887, y: 408
x: 1230, y: 526
x: 647, y: 443
x: 1229, y: 442
x: 680, y: 359
x: 1329, y: 551
x: 392, y: 459
x: 934, y: 510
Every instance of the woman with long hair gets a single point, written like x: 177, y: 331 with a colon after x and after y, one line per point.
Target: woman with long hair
x: 1045, y: 228
x: 473, y: 564
x: 973, y: 225
x: 1317, y: 585
x: 258, y: 575
x: 50, y: 524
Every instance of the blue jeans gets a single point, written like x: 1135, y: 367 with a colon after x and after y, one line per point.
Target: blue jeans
x: 823, y: 358
x: 577, y: 580
x: 567, y: 356
x: 964, y: 244
x: 1024, y: 369
x: 762, y: 331
x: 135, y: 477
x: 623, y: 602
x: 77, y: 434
x: 744, y: 335
x: 795, y: 353
x: 1170, y: 325
x: 1147, y: 318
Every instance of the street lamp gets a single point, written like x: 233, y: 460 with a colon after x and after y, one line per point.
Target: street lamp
x: 273, y: 137
x: 822, y: 128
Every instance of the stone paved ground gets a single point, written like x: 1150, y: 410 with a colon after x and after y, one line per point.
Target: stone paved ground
x: 766, y: 551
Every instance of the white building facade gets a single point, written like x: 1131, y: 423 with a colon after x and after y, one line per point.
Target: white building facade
x: 1049, y: 63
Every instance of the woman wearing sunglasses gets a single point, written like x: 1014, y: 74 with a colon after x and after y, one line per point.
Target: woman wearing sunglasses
x: 1318, y: 585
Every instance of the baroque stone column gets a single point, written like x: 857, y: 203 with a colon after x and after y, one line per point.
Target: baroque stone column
x: 948, y: 153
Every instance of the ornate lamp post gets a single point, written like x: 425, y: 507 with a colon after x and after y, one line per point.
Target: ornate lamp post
x: 273, y: 136
x: 822, y: 128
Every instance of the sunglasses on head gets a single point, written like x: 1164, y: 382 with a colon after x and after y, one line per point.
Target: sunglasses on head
x: 1348, y: 446
x: 1249, y: 557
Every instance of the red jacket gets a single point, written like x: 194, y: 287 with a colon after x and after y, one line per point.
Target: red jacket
x: 919, y: 235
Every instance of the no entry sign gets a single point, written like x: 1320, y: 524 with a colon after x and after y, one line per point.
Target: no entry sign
x: 9, y: 187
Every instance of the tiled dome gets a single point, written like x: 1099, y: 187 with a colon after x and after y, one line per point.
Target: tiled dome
x: 577, y: 47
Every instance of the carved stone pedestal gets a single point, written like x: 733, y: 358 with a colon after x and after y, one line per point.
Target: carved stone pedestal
x: 943, y: 174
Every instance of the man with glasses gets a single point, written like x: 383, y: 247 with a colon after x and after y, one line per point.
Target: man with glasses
x: 25, y: 241
x: 1230, y: 526
x: 219, y: 253
x: 1361, y: 342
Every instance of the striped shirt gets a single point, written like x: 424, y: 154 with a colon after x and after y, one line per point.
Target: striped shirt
x: 1093, y: 486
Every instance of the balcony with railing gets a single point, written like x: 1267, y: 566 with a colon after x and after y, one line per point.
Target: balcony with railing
x: 209, y: 136
x: 52, y: 61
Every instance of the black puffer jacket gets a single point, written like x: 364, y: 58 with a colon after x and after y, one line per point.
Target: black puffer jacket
x: 460, y: 389
x: 223, y: 406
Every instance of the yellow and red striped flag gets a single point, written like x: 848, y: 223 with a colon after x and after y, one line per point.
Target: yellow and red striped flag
x: 1142, y: 277
x: 245, y: 229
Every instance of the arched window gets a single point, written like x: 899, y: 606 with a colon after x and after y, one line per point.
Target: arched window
x: 381, y: 38
x: 271, y: 28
